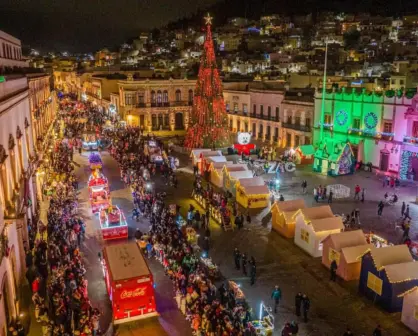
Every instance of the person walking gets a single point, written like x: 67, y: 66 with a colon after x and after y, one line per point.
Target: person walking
x: 276, y: 295
x: 380, y: 207
x: 306, y: 305
x: 403, y: 209
x: 362, y: 195
x: 248, y: 218
x: 357, y: 190
x: 298, y: 303
x: 377, y: 331
x: 333, y: 268
x: 406, y: 214
x: 330, y: 196
x: 304, y: 186
x: 244, y: 264
x: 237, y: 257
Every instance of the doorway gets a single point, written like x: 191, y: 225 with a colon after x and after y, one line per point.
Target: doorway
x: 384, y: 160
x: 178, y: 121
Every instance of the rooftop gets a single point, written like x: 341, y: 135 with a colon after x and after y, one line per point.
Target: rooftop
x: 390, y: 255
x: 125, y: 261
x: 347, y: 239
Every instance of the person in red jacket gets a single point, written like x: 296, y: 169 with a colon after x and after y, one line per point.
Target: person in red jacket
x: 35, y: 285
x: 357, y: 190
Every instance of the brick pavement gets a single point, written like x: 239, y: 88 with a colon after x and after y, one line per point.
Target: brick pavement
x: 281, y: 262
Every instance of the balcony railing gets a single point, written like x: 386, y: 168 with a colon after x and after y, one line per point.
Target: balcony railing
x: 141, y: 105
x: 166, y: 104
x: 303, y: 128
x: 180, y: 103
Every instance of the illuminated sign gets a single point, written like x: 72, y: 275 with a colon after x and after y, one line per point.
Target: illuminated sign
x: 131, y: 294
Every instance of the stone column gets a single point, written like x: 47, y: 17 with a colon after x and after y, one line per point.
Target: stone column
x: 172, y: 119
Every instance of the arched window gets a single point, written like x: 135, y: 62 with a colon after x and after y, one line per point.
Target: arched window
x: 159, y: 97
x: 178, y: 95
x: 190, y: 96
x: 153, y: 98
x: 165, y: 96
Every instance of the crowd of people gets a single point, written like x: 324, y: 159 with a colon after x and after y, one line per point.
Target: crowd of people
x: 209, y: 310
x: 55, y: 267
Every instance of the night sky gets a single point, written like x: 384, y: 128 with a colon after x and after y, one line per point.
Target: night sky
x: 87, y: 25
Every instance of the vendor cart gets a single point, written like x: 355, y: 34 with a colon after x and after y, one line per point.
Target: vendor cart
x: 113, y: 223
x: 129, y: 283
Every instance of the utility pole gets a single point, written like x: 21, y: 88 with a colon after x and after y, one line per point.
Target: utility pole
x: 324, y: 84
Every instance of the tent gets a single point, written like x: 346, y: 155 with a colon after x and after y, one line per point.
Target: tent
x: 232, y: 174
x: 386, y: 273
x: 253, y: 197
x: 345, y: 248
x: 216, y: 175
x: 305, y: 154
x: 215, y: 156
x: 313, y: 225
x: 410, y: 309
x: 334, y: 157
x: 283, y: 216
x: 195, y: 155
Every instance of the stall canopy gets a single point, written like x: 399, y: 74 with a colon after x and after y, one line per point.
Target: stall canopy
x: 310, y: 214
x: 345, y: 248
x: 283, y: 216
x: 251, y: 182
x: 195, y: 154
x: 305, y: 154
x: 387, y: 273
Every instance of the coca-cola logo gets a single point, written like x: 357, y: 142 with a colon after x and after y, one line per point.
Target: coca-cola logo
x: 127, y: 294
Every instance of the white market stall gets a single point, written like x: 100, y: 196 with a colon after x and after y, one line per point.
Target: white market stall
x: 313, y: 225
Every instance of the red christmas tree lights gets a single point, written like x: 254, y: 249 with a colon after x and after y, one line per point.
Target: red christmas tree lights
x: 209, y: 120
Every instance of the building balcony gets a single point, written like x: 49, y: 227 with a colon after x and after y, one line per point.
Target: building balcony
x: 140, y: 105
x: 166, y: 104
x: 238, y: 113
x: 296, y: 127
x: 180, y: 103
x: 275, y: 138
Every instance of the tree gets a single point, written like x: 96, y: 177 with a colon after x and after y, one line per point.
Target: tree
x: 351, y: 39
x: 209, y: 120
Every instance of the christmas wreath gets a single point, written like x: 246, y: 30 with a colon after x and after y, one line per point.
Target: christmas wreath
x: 341, y: 117
x: 390, y: 93
x: 370, y: 120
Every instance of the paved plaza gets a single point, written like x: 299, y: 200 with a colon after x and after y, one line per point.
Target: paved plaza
x: 334, y: 306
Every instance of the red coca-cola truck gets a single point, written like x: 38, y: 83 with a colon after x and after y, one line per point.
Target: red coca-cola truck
x: 129, y: 283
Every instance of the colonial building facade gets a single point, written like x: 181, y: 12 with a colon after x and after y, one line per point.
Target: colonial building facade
x: 17, y: 167
x: 256, y: 111
x: 382, y: 128
x: 297, y: 121
x: 156, y: 104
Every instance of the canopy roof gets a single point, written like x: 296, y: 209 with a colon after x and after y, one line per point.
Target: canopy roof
x: 352, y: 253
x: 327, y: 224
x: 331, y: 149
x: 306, y: 149
x: 290, y: 206
x: 216, y: 159
x: 125, y: 261
x: 240, y: 174
x: 210, y: 153
x: 320, y: 212
x: 390, y: 255
x: 347, y: 239
x: 402, y: 272
x: 256, y: 190
x: 251, y: 182
x: 236, y: 167
x: 196, y: 152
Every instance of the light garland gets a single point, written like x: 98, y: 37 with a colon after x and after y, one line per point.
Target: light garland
x: 341, y: 117
x: 370, y: 120
x: 405, y: 162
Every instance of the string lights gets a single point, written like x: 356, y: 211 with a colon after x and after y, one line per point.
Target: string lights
x: 209, y: 120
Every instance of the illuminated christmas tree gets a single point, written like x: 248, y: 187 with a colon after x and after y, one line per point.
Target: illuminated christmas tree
x: 209, y: 120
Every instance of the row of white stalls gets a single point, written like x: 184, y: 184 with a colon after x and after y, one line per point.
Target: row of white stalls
x: 249, y: 191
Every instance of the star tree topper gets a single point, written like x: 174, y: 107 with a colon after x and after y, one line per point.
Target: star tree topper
x: 208, y: 19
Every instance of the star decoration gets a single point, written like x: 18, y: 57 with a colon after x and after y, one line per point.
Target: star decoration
x: 208, y: 19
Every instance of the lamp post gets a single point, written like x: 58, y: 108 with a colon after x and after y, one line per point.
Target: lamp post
x: 321, y: 125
